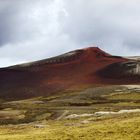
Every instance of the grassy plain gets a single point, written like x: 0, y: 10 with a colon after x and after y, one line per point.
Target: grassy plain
x: 44, y: 118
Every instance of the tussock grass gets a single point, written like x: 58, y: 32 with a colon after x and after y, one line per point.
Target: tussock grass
x: 121, y: 128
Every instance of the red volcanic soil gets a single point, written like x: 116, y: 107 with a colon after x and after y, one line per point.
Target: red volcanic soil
x: 76, y: 68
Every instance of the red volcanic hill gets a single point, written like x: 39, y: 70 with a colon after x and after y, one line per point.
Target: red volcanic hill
x: 90, y: 66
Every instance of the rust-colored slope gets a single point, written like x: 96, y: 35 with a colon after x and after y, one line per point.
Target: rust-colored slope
x: 76, y: 68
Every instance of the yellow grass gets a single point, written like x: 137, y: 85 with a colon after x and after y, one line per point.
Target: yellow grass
x: 125, y: 127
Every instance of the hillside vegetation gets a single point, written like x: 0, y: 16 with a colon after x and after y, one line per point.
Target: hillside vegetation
x: 91, y: 113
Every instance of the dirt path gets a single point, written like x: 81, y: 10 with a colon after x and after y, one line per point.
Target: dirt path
x: 63, y: 115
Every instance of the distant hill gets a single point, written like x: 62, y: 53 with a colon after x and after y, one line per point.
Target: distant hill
x: 83, y: 67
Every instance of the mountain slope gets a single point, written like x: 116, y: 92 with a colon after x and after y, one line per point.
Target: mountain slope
x: 90, y: 66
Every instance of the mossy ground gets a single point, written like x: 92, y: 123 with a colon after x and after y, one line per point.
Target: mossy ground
x: 19, y: 118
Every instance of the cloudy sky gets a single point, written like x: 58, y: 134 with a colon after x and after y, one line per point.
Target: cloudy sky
x: 37, y: 29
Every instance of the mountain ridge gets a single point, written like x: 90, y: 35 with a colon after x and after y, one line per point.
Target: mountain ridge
x: 89, y: 66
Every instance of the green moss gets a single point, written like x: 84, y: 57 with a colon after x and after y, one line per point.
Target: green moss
x: 125, y: 96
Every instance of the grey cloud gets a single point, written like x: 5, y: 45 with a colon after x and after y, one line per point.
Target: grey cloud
x: 37, y: 29
x: 106, y: 23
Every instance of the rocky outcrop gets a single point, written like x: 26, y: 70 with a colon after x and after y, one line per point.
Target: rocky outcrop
x: 64, y: 58
x: 123, y: 69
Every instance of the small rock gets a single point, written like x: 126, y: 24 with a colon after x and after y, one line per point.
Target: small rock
x: 39, y: 126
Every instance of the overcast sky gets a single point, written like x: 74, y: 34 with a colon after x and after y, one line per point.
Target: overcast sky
x: 37, y: 29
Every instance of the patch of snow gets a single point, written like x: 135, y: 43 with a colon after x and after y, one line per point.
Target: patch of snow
x: 101, y: 113
x: 72, y: 116
x: 129, y: 111
x: 119, y: 112
x: 132, y: 86
x: 104, y: 113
